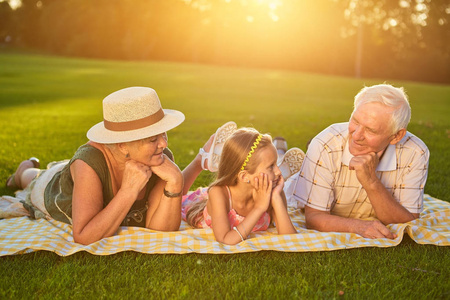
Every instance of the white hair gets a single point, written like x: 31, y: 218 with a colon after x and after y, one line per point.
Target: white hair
x: 390, y: 96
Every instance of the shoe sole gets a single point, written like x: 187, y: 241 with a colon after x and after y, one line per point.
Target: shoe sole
x: 220, y: 137
x: 292, y: 162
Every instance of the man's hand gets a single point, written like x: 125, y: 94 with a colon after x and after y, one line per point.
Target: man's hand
x: 374, y: 230
x: 324, y: 221
x: 387, y: 209
x: 365, y: 167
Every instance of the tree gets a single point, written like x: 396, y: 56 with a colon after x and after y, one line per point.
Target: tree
x: 408, y: 39
x: 6, y: 23
x: 401, y: 34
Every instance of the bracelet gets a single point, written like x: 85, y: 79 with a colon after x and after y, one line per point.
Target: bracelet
x: 172, y: 195
x: 245, y: 230
x: 237, y: 230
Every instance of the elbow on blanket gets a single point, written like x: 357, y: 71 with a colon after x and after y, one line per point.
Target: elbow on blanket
x: 175, y: 226
x: 314, y: 219
x: 229, y: 243
x: 407, y: 217
x: 82, y: 242
x: 84, y: 239
x: 311, y: 225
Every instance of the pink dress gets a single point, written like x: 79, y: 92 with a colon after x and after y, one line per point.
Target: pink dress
x: 234, y: 218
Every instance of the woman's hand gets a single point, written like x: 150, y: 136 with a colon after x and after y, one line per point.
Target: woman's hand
x: 135, y: 177
x: 262, y: 190
x: 169, y: 172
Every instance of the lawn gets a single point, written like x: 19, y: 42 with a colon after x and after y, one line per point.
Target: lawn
x: 48, y: 103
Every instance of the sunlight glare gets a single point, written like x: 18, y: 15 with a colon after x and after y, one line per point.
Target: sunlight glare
x: 14, y: 4
x: 259, y: 8
x: 421, y: 7
x: 404, y: 4
x: 273, y: 5
x: 420, y: 19
x: 274, y: 17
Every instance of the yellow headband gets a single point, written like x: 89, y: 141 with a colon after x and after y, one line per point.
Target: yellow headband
x: 252, y: 150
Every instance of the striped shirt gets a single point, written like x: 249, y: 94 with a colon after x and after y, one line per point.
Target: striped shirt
x: 325, y: 182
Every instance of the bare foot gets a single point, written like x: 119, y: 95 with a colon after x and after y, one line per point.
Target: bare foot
x: 14, y: 181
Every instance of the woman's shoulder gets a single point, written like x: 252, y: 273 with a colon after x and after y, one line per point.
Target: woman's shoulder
x: 93, y: 157
x: 87, y: 150
x: 89, y: 154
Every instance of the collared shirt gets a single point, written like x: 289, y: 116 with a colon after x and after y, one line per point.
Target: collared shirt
x: 326, y: 183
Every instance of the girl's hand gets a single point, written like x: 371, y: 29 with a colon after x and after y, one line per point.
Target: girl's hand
x: 279, y: 187
x: 135, y: 177
x: 262, y: 190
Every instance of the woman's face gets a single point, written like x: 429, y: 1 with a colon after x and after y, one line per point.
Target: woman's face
x: 267, y: 163
x: 149, y: 151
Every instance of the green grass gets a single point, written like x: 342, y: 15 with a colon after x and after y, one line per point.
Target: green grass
x: 48, y: 103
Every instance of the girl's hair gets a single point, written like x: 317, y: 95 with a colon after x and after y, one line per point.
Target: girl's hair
x: 235, y: 151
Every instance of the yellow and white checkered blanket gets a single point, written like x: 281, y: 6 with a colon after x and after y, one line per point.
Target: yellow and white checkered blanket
x: 24, y: 235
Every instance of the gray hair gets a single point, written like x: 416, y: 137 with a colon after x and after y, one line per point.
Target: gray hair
x: 390, y: 96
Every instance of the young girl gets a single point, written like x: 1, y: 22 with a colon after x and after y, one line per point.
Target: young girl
x: 247, y: 194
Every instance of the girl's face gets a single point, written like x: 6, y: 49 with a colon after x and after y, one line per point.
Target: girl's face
x: 149, y: 151
x: 267, y: 158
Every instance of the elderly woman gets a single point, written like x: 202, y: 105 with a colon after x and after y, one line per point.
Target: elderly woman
x: 124, y: 175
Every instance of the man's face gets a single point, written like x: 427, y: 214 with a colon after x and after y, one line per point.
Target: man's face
x: 370, y: 129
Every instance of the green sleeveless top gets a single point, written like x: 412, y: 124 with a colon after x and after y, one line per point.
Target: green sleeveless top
x: 58, y: 193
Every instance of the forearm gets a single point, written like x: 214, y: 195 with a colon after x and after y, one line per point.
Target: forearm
x: 106, y: 222
x: 387, y: 209
x: 167, y: 214
x: 191, y: 172
x: 281, y: 217
x: 245, y: 228
x: 324, y: 221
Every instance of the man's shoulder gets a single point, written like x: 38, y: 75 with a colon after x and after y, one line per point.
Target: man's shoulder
x: 334, y: 134
x: 331, y: 140
x: 337, y: 128
x: 413, y: 143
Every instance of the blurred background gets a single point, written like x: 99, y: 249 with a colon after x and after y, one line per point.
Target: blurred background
x: 387, y: 39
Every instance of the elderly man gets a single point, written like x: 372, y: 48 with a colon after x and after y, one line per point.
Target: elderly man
x: 361, y: 175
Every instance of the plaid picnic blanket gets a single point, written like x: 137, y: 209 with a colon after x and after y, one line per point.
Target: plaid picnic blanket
x: 25, y: 235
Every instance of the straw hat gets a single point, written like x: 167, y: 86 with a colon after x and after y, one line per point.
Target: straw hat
x: 132, y: 114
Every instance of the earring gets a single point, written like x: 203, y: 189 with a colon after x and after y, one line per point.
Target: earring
x: 248, y: 181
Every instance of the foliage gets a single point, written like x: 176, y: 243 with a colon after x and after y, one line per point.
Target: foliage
x: 402, y: 32
x: 318, y: 36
